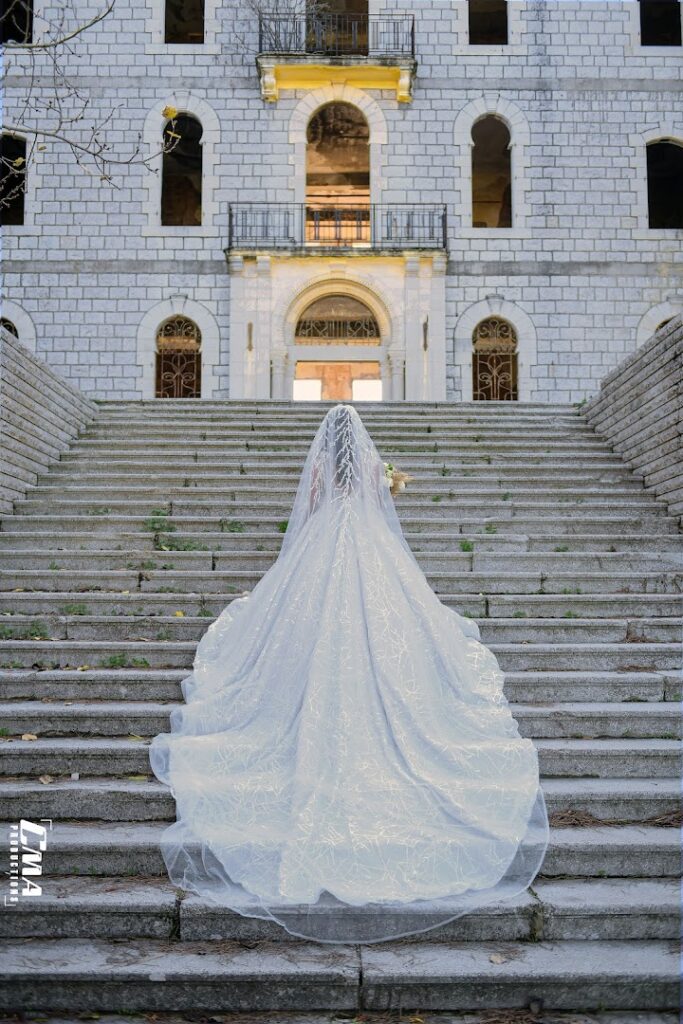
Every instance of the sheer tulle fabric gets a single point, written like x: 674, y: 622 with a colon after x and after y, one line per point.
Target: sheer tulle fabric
x: 346, y: 763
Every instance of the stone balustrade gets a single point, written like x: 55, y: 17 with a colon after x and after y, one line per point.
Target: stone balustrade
x: 40, y: 414
x: 639, y: 410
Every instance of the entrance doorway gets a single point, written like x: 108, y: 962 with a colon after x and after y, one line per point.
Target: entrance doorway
x: 337, y: 381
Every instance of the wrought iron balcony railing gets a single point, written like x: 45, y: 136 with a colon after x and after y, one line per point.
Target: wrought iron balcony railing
x: 338, y: 35
x: 307, y: 226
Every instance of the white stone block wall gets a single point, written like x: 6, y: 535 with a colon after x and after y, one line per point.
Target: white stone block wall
x: 589, y: 279
x: 639, y: 409
x: 40, y: 415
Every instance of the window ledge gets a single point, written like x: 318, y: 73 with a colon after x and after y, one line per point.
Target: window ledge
x: 182, y: 49
x: 179, y: 231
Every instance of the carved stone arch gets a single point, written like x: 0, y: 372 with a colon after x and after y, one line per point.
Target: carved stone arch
x: 290, y: 311
x: 287, y: 314
x: 666, y: 131
x: 654, y: 317
x: 185, y: 103
x: 495, y: 306
x: 178, y: 305
x: 514, y: 118
x: 22, y: 321
x: 304, y: 111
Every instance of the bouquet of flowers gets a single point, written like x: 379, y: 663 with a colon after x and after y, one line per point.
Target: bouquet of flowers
x: 396, y: 480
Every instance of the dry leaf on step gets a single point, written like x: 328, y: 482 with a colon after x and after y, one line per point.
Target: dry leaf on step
x: 498, y: 958
x: 28, y: 736
x: 45, y: 779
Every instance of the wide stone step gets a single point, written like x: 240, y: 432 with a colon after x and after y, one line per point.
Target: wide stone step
x: 424, y: 478
x: 419, y: 541
x: 479, y: 606
x: 601, y: 758
x: 518, y: 629
x: 438, y: 489
x: 572, y: 451
x: 288, y: 431
x: 180, y: 654
x: 93, y: 974
x: 132, y: 848
x: 100, y: 520
x: 131, y: 908
x: 627, y: 800
x: 551, y: 720
x: 179, y: 581
x: 168, y: 556
x: 80, y: 461
x: 164, y: 685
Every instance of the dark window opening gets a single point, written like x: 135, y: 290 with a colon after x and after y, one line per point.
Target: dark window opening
x: 488, y: 22
x: 665, y: 185
x: 660, y: 23
x: 13, y: 180
x: 184, y: 21
x: 181, y: 186
x: 9, y: 326
x: 491, y: 174
x: 17, y: 22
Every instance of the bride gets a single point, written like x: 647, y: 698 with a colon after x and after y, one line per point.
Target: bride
x: 346, y: 763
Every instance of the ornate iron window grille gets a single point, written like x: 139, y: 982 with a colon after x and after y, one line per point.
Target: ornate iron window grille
x: 178, y: 359
x: 494, y: 361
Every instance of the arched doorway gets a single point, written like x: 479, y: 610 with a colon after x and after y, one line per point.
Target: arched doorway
x: 338, y: 176
x: 494, y: 361
x: 337, y: 351
x: 178, y: 359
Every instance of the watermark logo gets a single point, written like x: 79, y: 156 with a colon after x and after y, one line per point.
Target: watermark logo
x: 27, y: 844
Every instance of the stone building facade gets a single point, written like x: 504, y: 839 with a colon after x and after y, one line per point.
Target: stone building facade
x: 391, y: 200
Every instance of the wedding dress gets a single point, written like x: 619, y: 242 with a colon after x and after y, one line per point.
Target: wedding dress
x: 346, y: 763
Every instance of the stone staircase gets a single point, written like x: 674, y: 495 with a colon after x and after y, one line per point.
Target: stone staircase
x: 161, y: 513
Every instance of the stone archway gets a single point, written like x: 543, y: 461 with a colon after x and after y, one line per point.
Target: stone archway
x: 344, y: 329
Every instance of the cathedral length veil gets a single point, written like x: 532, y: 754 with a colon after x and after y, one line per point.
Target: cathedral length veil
x: 346, y: 763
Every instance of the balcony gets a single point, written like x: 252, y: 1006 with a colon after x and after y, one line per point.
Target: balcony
x: 308, y: 51
x: 311, y: 228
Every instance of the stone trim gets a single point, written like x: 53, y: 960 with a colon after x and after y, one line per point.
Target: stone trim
x: 304, y: 111
x: 186, y: 103
x: 22, y: 321
x: 495, y: 305
x: 495, y: 104
x: 178, y: 305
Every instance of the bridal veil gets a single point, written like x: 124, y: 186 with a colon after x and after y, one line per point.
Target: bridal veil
x: 345, y: 762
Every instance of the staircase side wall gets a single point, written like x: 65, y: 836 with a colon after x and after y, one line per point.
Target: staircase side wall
x: 639, y: 410
x: 40, y: 415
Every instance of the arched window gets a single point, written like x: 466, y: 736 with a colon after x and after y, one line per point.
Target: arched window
x: 178, y: 359
x: 665, y: 184
x: 184, y: 21
x: 339, y: 319
x: 338, y: 175
x: 16, y: 22
x: 9, y: 326
x: 494, y: 361
x: 181, y: 184
x: 13, y: 180
x: 491, y: 174
x: 660, y: 22
x: 488, y: 22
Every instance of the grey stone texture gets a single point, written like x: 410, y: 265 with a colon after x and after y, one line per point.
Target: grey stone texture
x: 640, y: 411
